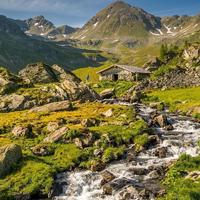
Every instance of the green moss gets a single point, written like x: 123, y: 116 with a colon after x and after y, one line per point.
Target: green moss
x: 113, y: 153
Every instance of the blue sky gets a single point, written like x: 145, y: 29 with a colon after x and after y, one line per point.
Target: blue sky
x: 77, y: 12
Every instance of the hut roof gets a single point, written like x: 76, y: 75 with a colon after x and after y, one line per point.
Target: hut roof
x: 132, y: 69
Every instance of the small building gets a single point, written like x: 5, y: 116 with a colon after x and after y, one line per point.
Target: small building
x: 123, y: 72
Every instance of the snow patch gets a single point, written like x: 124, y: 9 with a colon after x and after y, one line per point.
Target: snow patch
x: 95, y: 24
x: 36, y: 24
x: 64, y: 35
x: 41, y: 26
x: 168, y: 29
x: 108, y: 16
x: 42, y: 34
x: 157, y: 34
x: 161, y: 33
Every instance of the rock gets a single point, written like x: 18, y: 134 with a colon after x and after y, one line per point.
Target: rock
x: 97, y: 165
x: 154, y: 175
x: 161, y: 121
x: 153, y: 140
x: 43, y: 150
x: 56, y: 136
x: 107, y: 189
x: 131, y: 154
x: 90, y: 122
x: 54, y: 107
x: 98, y: 152
x: 22, y: 197
x: 53, y: 126
x: 22, y: 131
x: 161, y: 152
x: 157, y: 105
x: 9, y: 156
x: 108, y: 113
x: 78, y: 90
x: 129, y: 193
x: 38, y: 73
x: 107, y: 93
x: 195, y: 175
x: 169, y: 127
x: 79, y: 143
x: 107, y: 177
x: 139, y: 171
x: 135, y: 97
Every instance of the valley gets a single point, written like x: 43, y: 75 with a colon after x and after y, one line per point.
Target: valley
x: 68, y: 132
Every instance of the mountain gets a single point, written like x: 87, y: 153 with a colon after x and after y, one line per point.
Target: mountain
x: 123, y: 23
x: 40, y: 27
x: 18, y: 49
x: 118, y: 21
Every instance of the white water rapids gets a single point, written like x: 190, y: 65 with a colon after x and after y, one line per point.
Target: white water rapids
x: 86, y: 185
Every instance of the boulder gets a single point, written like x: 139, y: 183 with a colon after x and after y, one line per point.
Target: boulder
x: 53, y: 126
x: 161, y: 121
x: 90, y: 122
x: 108, y: 113
x: 194, y: 175
x: 38, y: 73
x: 56, y: 136
x: 107, y: 93
x: 78, y: 90
x: 54, y: 107
x: 128, y: 193
x: 9, y: 156
x: 161, y: 152
x: 107, y: 177
x: 97, y: 165
x: 107, y: 189
x: 22, y: 131
x: 43, y: 150
x: 154, y: 174
x: 138, y: 170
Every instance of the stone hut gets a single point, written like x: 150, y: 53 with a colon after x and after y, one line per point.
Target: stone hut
x: 123, y: 72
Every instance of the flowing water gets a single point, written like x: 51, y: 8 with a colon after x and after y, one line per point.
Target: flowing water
x: 86, y: 185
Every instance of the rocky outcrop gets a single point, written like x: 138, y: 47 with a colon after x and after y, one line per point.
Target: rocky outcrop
x: 107, y: 93
x: 56, y: 136
x: 54, y: 107
x: 178, y: 77
x: 38, y: 73
x: 9, y: 156
x: 43, y: 150
x: 22, y: 131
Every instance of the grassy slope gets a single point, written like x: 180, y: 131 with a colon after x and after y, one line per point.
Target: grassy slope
x: 178, y: 187
x: 35, y: 174
x: 184, y: 99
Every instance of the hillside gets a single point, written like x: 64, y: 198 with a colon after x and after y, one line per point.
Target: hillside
x: 17, y: 50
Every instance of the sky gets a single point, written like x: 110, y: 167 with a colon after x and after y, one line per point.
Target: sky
x: 77, y: 12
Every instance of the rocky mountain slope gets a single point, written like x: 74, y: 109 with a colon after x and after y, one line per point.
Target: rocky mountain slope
x: 121, y: 23
x: 43, y: 28
x: 40, y: 84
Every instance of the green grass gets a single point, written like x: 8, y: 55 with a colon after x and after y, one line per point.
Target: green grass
x: 177, y: 186
x: 120, y: 87
x: 183, y: 99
